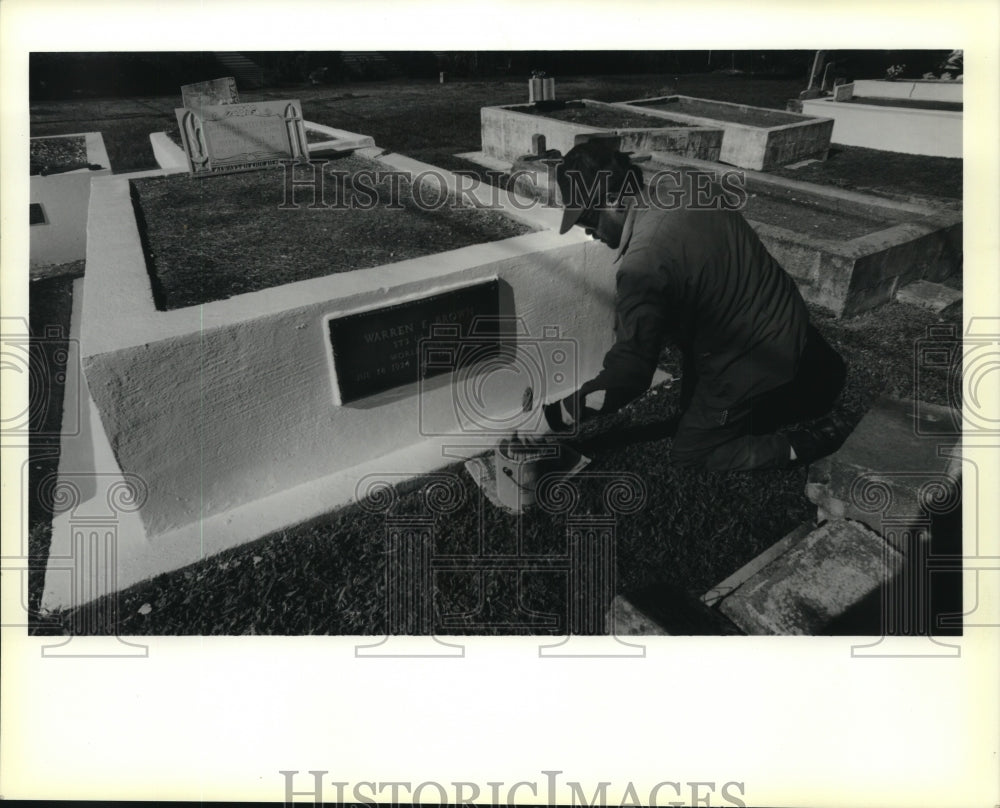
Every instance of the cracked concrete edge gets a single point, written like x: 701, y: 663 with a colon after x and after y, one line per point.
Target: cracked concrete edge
x: 728, y: 586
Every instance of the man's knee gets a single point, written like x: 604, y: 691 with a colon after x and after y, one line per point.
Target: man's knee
x: 738, y: 453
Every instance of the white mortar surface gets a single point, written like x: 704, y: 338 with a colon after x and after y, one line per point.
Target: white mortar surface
x: 169, y: 156
x: 931, y: 132
x: 73, y: 577
x: 341, y: 139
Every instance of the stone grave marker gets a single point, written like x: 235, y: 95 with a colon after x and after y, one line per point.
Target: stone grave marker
x: 210, y: 93
x: 378, y: 350
x: 223, y: 138
x: 843, y: 92
x: 541, y: 88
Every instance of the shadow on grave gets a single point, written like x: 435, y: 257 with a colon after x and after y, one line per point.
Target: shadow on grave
x: 925, y: 599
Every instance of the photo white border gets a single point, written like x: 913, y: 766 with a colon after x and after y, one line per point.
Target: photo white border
x: 799, y: 721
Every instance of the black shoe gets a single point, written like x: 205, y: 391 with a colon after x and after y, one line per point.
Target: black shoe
x: 819, y: 439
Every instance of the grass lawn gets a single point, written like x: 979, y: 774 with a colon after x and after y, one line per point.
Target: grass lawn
x: 936, y: 179
x: 602, y: 116
x: 332, y: 576
x: 56, y: 155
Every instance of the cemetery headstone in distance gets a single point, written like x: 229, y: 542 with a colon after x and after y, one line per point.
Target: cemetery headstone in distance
x: 210, y: 93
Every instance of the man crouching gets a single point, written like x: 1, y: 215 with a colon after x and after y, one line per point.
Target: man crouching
x: 700, y: 278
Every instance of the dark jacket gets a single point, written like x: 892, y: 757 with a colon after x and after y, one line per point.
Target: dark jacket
x: 702, y: 280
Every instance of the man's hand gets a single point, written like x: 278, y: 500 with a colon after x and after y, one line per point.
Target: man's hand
x: 562, y: 415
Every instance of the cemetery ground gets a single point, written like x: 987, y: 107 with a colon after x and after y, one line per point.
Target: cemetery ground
x: 331, y: 576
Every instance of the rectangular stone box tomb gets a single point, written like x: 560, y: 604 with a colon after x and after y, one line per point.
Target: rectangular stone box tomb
x: 755, y: 137
x: 226, y: 412
x: 847, y: 251
x: 507, y: 130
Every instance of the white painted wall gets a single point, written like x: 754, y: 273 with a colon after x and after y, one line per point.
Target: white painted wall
x: 918, y: 90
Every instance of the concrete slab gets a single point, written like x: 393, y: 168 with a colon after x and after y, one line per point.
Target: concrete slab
x: 747, y: 571
x: 838, y: 566
x: 898, y: 468
x: 662, y: 609
x: 934, y: 296
x: 625, y: 619
x: 338, y: 139
x: 803, y: 163
x: 169, y: 156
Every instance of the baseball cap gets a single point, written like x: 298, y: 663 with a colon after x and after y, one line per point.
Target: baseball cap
x: 579, y: 177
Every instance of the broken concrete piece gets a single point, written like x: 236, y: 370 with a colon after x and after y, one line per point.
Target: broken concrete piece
x: 892, y: 467
x: 748, y: 570
x: 838, y: 566
x: 626, y: 619
x: 934, y: 296
x: 664, y: 609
